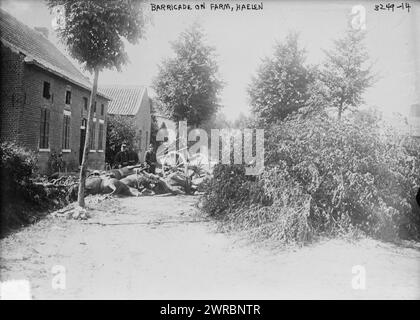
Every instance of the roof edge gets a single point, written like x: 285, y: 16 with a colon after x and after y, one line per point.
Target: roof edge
x: 31, y: 60
x: 138, y: 101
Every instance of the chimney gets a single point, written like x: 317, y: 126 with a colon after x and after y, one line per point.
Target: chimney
x: 43, y: 31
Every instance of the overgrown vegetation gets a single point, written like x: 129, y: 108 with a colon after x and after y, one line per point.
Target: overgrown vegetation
x: 22, y: 201
x: 324, y: 177
x: 330, y: 168
x: 55, y: 162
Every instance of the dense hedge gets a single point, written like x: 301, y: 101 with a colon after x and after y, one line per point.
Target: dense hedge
x: 230, y: 189
x: 324, y: 176
x: 17, y: 167
x: 22, y: 201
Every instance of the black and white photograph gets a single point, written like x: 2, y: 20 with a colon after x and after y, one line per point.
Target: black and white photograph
x: 210, y: 150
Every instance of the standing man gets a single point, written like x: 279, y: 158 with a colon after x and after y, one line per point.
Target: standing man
x: 150, y: 159
x: 121, y: 159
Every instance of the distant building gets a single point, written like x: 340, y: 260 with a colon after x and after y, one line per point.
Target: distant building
x: 44, y: 98
x: 133, y: 102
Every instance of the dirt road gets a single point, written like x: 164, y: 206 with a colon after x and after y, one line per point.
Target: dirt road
x: 162, y: 248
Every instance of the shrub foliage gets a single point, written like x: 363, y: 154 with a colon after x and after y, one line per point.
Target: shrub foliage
x: 119, y: 129
x: 324, y: 177
x: 22, y: 201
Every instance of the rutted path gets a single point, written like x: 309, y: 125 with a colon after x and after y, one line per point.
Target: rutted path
x: 163, y: 248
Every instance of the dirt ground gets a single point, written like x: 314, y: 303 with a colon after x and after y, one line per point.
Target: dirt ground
x: 164, y: 248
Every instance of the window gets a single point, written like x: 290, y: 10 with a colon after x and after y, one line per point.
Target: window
x: 46, y: 92
x: 101, y: 137
x: 66, y: 132
x: 85, y: 103
x: 102, y: 109
x: 44, y: 129
x: 92, y: 136
x: 68, y: 97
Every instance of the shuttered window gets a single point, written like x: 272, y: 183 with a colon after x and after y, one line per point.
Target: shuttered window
x: 92, y: 136
x: 66, y: 132
x: 44, y: 129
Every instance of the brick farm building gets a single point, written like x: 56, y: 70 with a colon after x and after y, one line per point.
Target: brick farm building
x: 132, y: 102
x: 45, y: 98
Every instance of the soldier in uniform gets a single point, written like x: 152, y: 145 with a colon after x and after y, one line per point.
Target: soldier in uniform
x: 121, y: 159
x: 150, y: 159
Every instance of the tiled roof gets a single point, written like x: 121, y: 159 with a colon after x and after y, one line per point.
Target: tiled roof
x: 38, y: 50
x: 126, y: 100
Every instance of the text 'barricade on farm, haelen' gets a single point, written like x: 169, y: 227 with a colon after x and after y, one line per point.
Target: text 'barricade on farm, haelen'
x: 287, y: 137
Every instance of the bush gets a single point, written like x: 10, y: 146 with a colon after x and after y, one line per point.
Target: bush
x: 325, y: 177
x: 354, y: 175
x: 55, y: 162
x: 17, y: 167
x: 21, y: 199
x: 230, y: 189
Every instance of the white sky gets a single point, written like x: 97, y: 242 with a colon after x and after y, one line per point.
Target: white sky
x: 243, y: 38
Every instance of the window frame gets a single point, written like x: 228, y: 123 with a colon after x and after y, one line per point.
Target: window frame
x: 68, y: 97
x: 93, y: 137
x: 85, y: 104
x: 44, y: 130
x: 65, y: 141
x: 46, y: 85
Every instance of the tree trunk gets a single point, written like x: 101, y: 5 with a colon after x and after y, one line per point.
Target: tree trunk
x: 83, y: 167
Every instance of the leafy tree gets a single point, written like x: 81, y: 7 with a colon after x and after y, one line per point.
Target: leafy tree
x: 345, y: 73
x: 119, y: 129
x: 187, y: 86
x: 216, y: 121
x: 243, y: 122
x: 281, y: 84
x: 93, y: 32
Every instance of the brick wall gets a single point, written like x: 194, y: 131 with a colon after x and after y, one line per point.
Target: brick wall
x: 20, y: 116
x: 11, y: 92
